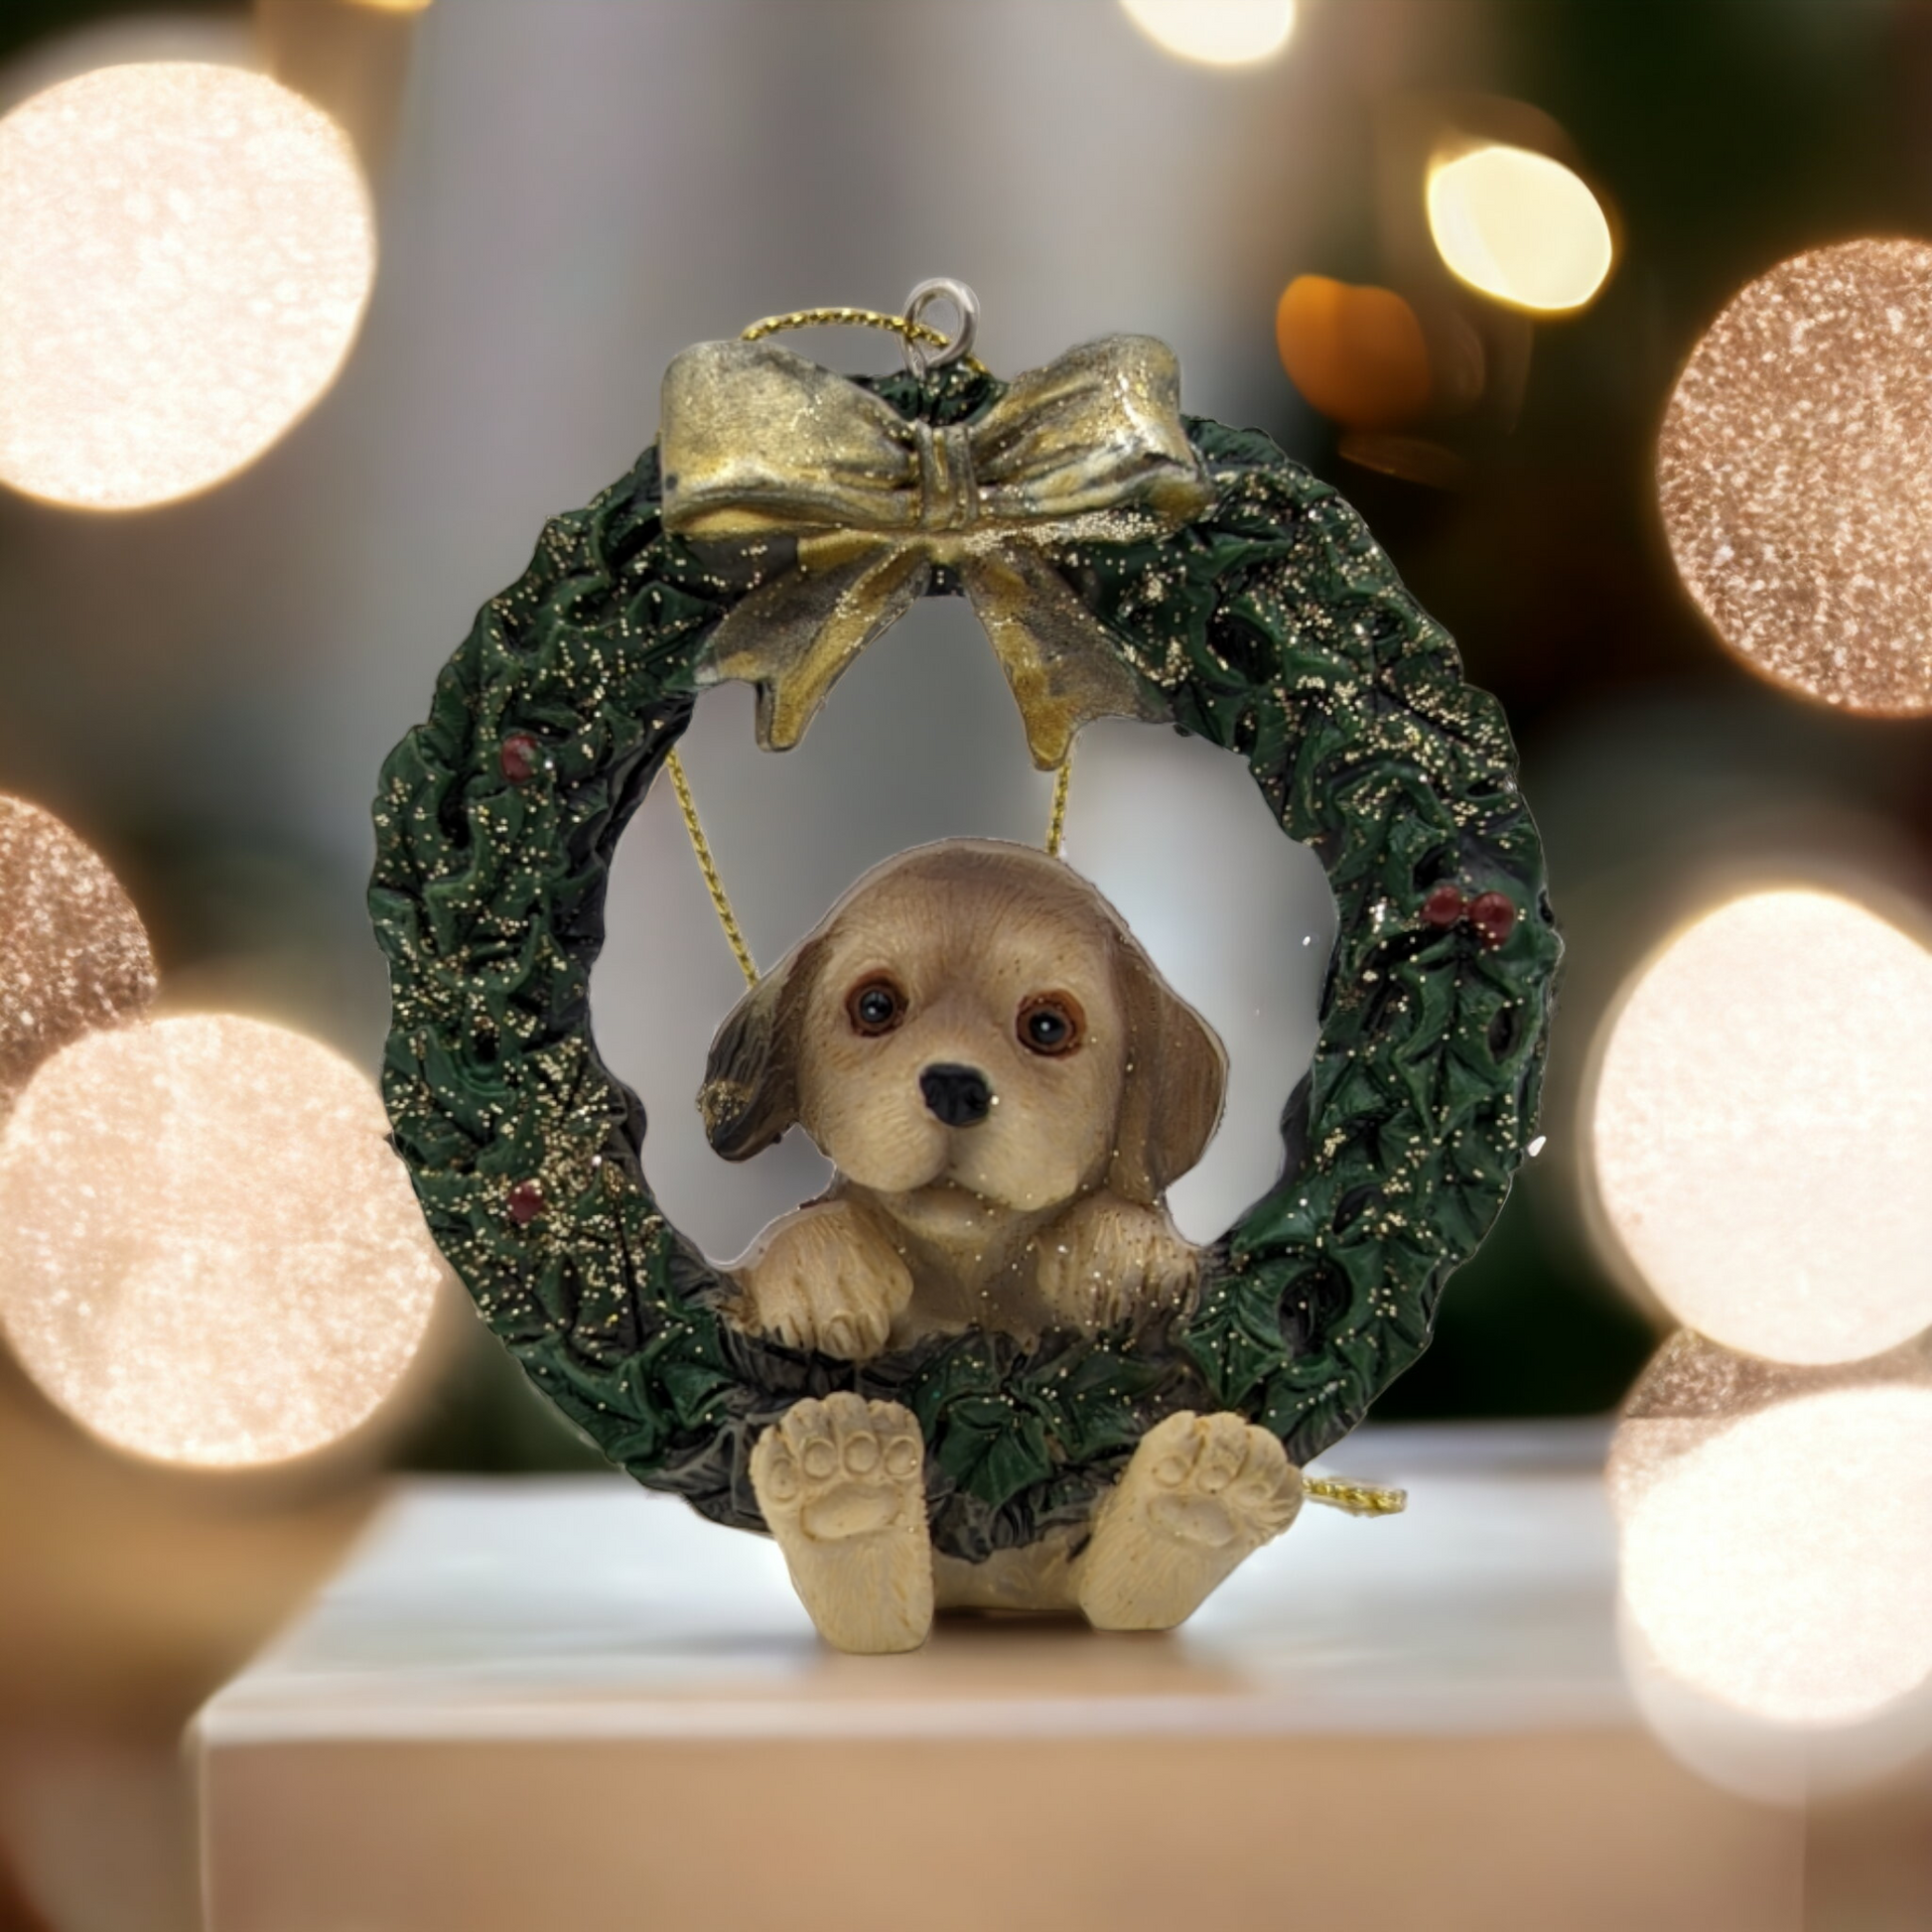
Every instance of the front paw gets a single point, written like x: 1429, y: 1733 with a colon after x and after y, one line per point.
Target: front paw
x: 1108, y: 1261
x: 824, y: 1278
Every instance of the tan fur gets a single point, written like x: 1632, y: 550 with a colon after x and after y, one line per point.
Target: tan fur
x: 1046, y: 1213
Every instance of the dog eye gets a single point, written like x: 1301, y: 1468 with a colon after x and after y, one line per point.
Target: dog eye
x: 875, y: 1006
x: 1051, y: 1023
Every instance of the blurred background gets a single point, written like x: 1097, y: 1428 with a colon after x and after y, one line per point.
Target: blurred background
x: 201, y: 680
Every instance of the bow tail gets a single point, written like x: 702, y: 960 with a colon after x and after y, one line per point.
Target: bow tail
x: 797, y: 635
x: 1061, y: 662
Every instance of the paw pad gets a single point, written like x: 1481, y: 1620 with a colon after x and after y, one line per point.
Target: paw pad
x: 1220, y: 1479
x: 840, y: 1466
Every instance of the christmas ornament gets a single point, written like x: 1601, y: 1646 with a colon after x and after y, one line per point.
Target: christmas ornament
x: 984, y: 1370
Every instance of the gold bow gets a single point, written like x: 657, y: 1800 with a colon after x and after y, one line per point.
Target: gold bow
x: 758, y: 443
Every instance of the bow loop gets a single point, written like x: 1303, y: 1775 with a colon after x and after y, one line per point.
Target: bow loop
x: 758, y: 442
x: 1097, y: 431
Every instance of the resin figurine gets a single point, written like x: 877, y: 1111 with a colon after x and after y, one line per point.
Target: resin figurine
x: 984, y: 1370
x: 1006, y: 1087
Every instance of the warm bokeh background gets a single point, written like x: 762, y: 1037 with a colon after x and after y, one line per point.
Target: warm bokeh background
x: 568, y: 192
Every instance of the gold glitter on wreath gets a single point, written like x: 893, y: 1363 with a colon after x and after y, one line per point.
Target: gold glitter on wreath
x: 1794, y: 478
x: 73, y: 954
x: 210, y: 1254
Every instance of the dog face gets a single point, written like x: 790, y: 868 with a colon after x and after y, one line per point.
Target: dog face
x: 971, y: 1015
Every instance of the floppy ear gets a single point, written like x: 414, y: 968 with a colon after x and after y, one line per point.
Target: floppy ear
x: 1177, y: 1077
x: 749, y: 1095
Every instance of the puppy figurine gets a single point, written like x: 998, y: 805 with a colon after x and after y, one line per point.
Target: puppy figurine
x: 1006, y: 1087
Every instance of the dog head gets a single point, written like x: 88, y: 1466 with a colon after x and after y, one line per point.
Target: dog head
x: 971, y: 1015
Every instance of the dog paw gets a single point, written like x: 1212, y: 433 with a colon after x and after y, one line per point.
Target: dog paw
x: 841, y: 1486
x: 1201, y: 1493
x: 840, y: 1466
x: 1217, y: 1481
x: 824, y: 1278
x: 1107, y: 1261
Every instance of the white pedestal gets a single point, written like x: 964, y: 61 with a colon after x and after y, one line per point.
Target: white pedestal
x: 544, y: 1704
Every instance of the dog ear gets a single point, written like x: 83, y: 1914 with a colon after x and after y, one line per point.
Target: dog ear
x: 1175, y: 1080
x: 749, y: 1095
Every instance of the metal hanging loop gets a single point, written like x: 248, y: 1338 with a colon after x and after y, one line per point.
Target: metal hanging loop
x: 942, y: 288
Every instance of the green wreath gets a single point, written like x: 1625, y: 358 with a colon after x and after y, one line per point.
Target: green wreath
x: 1287, y: 637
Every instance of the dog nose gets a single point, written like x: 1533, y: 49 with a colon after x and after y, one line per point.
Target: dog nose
x: 959, y: 1095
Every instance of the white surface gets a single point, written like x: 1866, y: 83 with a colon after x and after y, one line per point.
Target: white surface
x: 563, y: 1704
x: 586, y: 1607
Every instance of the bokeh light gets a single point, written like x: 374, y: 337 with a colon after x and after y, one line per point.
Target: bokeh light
x: 1357, y: 354
x: 1218, y: 33
x: 208, y: 1252
x: 1519, y: 226
x: 1783, y: 1561
x: 185, y: 251
x: 1760, y: 1130
x: 1793, y: 477
x: 73, y: 954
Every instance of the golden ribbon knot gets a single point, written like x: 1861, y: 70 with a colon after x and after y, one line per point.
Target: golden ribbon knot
x: 758, y: 443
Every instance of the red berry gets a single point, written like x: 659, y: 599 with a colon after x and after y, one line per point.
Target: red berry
x: 518, y: 756
x: 525, y: 1202
x: 1493, y: 916
x: 1443, y: 907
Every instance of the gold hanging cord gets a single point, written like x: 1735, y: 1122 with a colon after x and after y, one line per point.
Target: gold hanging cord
x: 916, y: 333
x: 701, y: 848
x: 720, y: 903
x: 917, y: 337
x: 1057, y: 818
x: 1357, y: 1498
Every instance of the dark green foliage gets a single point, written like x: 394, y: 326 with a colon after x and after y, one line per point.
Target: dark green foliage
x: 1276, y: 628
